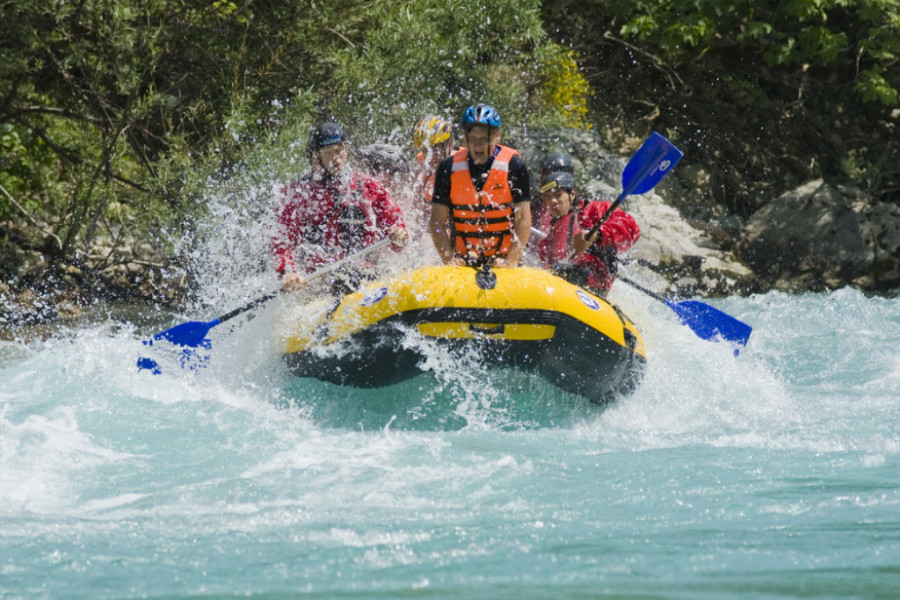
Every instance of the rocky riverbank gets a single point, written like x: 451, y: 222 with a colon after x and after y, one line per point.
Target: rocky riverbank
x: 38, y: 286
x: 814, y: 238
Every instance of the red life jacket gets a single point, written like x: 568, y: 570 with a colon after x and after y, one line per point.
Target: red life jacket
x: 597, y: 265
x: 483, y: 222
x: 319, y: 224
x: 559, y: 240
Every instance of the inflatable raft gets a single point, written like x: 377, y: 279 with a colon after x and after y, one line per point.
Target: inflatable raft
x: 522, y: 318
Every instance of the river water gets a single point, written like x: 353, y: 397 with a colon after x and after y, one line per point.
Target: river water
x: 774, y: 474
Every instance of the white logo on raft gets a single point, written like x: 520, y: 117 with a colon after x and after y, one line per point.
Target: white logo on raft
x: 588, y: 301
x: 374, y: 296
x: 664, y: 165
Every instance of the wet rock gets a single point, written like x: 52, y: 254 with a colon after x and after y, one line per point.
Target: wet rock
x: 883, y: 229
x: 25, y: 308
x: 820, y: 236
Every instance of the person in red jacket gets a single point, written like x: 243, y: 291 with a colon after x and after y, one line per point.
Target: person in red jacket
x: 587, y: 261
x: 330, y: 213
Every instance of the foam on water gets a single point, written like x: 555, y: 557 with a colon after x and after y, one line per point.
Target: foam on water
x: 239, y: 479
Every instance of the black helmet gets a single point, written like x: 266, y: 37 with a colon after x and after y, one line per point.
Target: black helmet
x: 328, y: 134
x: 383, y: 158
x: 556, y: 161
x: 557, y: 179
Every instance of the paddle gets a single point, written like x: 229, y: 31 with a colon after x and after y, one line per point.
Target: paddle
x: 708, y: 322
x: 193, y: 333
x: 652, y: 161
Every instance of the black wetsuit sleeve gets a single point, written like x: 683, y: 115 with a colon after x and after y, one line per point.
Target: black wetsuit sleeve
x: 519, y: 182
x: 441, y: 193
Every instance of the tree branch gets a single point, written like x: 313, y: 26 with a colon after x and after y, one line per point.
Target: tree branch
x: 31, y: 219
x: 655, y: 61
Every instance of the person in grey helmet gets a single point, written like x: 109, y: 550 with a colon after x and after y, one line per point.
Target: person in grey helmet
x: 331, y: 213
x: 551, y: 162
x: 570, y: 249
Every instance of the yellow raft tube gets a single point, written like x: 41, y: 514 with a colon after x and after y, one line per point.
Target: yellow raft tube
x: 524, y: 318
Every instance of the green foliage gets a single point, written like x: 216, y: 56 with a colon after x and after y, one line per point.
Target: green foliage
x: 873, y: 86
x: 133, y: 104
x: 863, y: 34
x: 392, y: 62
x: 395, y: 60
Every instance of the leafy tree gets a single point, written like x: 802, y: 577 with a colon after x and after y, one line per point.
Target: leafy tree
x: 112, y: 111
x: 861, y: 33
x: 761, y: 95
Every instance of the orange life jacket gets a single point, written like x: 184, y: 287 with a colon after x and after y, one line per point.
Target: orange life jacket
x: 482, y: 221
x: 426, y: 179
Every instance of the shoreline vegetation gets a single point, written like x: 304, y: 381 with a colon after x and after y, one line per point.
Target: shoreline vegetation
x: 115, y: 119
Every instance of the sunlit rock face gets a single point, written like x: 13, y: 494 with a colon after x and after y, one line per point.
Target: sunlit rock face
x: 819, y: 237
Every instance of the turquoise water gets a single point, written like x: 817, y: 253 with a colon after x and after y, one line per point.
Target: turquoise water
x: 775, y: 474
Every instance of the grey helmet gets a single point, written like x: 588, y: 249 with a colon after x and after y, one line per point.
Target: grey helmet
x: 555, y: 162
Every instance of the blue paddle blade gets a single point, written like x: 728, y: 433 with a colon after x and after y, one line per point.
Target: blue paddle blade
x: 653, y: 160
x: 149, y: 364
x: 711, y: 323
x: 191, y: 358
x: 191, y: 334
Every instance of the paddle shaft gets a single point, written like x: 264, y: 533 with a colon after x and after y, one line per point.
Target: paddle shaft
x: 246, y: 307
x: 193, y: 333
x: 654, y: 295
x: 638, y: 286
x: 329, y: 268
x: 703, y: 319
x: 600, y: 222
x: 630, y: 282
x: 593, y: 229
x: 596, y: 226
x: 652, y: 161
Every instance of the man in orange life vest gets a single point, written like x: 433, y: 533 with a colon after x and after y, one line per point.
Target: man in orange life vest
x: 432, y: 140
x: 594, y: 263
x: 329, y: 214
x: 481, y: 210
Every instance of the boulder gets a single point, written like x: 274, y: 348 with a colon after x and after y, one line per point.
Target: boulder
x: 821, y: 236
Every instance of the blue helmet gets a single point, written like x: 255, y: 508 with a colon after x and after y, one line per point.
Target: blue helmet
x: 327, y: 134
x: 324, y: 135
x: 480, y: 114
